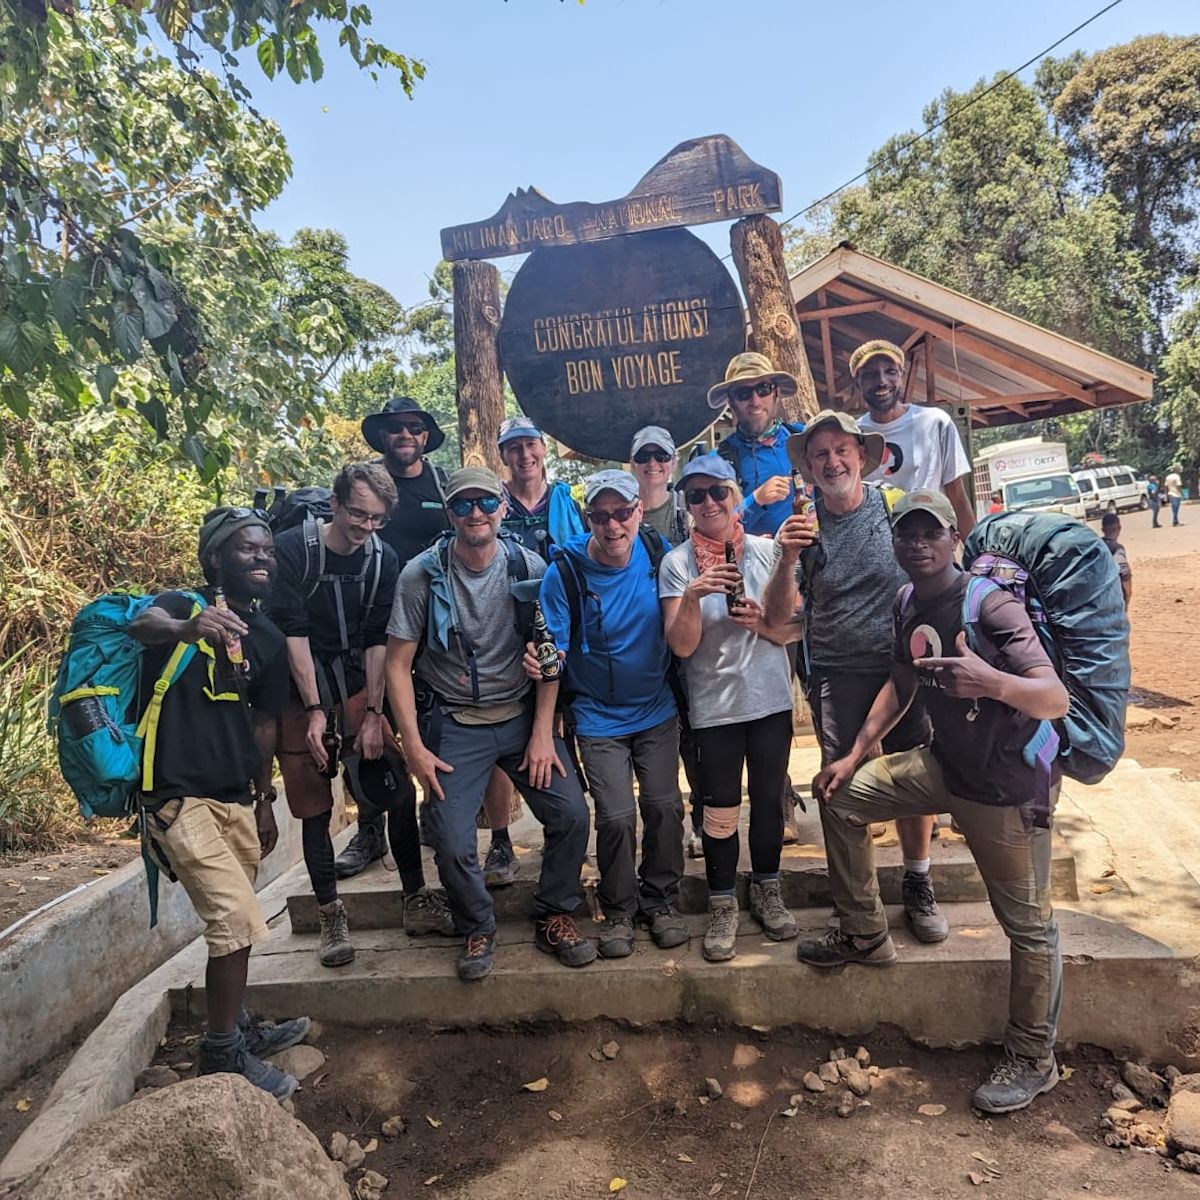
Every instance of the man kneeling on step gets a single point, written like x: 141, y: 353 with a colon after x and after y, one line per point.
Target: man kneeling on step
x: 983, y: 710
x: 471, y: 711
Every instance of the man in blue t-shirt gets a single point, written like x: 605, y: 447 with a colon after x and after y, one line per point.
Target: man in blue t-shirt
x: 757, y: 447
x: 600, y: 599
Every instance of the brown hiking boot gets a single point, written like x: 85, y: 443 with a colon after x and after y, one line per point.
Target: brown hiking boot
x: 335, y: 949
x: 719, y: 941
x: 768, y: 909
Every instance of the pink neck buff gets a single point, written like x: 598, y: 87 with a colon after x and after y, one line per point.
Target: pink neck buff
x: 709, y: 553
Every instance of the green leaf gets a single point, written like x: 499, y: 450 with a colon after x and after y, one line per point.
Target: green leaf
x: 173, y: 16
x: 267, y: 58
x: 195, y: 451
x: 21, y: 343
x: 295, y: 67
x: 155, y: 415
x: 106, y: 380
x: 159, y: 317
x: 66, y: 298
x: 16, y: 397
x: 128, y: 328
x: 316, y: 68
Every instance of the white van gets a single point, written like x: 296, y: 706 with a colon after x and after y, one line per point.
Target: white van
x: 1111, y: 488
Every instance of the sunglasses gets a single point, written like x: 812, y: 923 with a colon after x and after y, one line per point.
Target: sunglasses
x: 414, y: 428
x: 620, y: 515
x: 764, y: 388
x: 718, y: 491
x: 644, y: 456
x: 460, y: 506
x: 362, y: 517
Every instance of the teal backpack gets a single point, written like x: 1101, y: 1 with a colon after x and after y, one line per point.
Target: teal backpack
x: 105, y: 744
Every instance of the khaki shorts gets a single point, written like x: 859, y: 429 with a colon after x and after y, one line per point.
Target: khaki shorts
x: 214, y: 850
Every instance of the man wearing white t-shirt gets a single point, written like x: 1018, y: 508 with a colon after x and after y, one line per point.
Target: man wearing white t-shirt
x: 923, y: 446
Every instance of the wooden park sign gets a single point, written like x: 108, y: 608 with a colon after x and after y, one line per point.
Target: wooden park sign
x: 706, y: 179
x: 599, y: 340
x: 620, y: 318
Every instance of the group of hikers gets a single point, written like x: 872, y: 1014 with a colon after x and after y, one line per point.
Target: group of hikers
x: 681, y: 600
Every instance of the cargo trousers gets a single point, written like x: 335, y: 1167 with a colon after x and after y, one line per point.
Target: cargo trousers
x: 1013, y: 858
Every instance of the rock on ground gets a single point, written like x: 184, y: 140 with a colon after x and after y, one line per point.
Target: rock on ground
x: 1142, y: 1080
x: 226, y: 1138
x: 156, y: 1077
x: 1183, y: 1122
x: 301, y: 1061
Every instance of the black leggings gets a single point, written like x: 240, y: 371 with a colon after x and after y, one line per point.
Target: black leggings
x: 763, y: 747
x: 318, y: 856
x: 388, y: 777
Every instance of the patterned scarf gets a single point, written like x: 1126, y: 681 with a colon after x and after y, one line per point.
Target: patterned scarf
x: 709, y: 553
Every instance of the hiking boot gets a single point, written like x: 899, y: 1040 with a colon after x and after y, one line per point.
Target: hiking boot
x: 668, y: 928
x: 264, y: 1038
x: 920, y: 907
x: 560, y: 936
x: 768, y: 909
x: 722, y: 929
x: 475, y: 961
x: 335, y: 949
x: 616, y: 938
x: 835, y: 948
x: 1016, y: 1081
x: 230, y: 1056
x: 364, y: 848
x: 500, y: 867
x: 694, y: 845
x: 428, y: 911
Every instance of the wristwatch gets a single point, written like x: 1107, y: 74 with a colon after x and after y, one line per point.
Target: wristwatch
x: 269, y: 796
x: 371, y: 708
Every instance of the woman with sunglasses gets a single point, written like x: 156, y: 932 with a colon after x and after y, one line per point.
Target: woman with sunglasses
x: 652, y: 461
x: 739, y: 698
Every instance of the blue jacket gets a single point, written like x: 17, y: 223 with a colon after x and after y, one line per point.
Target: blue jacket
x: 617, y: 655
x: 756, y: 461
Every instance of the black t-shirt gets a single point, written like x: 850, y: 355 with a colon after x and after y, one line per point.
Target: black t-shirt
x: 419, y: 515
x: 316, y: 616
x: 205, y: 742
x: 981, y: 758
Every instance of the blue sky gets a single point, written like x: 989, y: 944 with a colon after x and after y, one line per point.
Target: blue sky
x: 579, y: 100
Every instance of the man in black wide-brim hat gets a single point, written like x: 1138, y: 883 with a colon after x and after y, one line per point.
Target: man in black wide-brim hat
x: 403, y: 433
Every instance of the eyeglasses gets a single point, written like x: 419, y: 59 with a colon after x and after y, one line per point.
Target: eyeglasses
x: 415, y: 428
x: 644, y: 456
x: 460, y: 506
x: 718, y: 491
x: 620, y: 515
x: 362, y: 517
x: 763, y: 388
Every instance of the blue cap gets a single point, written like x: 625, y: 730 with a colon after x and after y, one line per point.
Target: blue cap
x: 518, y: 427
x: 712, y: 465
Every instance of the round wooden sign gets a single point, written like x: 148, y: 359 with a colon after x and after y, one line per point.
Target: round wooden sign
x: 600, y: 339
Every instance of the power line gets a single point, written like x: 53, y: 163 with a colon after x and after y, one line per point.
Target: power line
x: 957, y: 112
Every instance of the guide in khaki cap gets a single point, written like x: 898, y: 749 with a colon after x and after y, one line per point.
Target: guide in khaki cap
x: 847, y: 578
x: 923, y: 448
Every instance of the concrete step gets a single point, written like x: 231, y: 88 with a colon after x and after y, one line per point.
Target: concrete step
x: 373, y: 899
x: 954, y: 993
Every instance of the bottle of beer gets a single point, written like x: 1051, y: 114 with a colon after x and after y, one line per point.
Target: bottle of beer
x: 802, y: 505
x: 234, y: 655
x: 737, y: 593
x: 547, y: 652
x: 331, y: 742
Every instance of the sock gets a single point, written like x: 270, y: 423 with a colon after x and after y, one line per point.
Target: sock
x: 763, y: 877
x: 722, y: 891
x: 916, y: 866
x: 500, y: 838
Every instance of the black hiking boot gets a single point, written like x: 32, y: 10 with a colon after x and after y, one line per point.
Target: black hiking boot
x: 1015, y: 1083
x: 475, y: 961
x: 835, y: 948
x: 367, y: 845
x: 560, y: 936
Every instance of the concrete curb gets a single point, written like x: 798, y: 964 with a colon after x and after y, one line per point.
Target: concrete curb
x: 58, y: 954
x: 100, y: 1076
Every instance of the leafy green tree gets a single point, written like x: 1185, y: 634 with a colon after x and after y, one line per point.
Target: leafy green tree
x: 129, y: 179
x: 1181, y: 381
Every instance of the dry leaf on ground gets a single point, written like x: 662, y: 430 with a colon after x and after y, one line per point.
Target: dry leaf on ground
x: 617, y: 1184
x: 536, y: 1085
x: 433, y: 1121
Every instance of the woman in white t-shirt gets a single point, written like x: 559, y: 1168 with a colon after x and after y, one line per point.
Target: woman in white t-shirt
x: 739, y: 698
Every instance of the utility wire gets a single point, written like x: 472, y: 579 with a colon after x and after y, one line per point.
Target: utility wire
x: 957, y: 112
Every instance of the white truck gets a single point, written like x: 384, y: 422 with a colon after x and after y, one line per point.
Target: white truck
x: 1029, y: 474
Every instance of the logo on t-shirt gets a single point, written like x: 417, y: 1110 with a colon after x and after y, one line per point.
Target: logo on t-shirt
x: 893, y: 459
x: 924, y: 642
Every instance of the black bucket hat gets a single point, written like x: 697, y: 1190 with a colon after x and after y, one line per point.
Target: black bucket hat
x: 372, y: 426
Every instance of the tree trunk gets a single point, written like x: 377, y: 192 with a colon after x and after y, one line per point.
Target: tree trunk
x: 758, y: 254
x: 477, y: 363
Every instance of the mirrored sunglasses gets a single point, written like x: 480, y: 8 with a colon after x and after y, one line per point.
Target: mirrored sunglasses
x: 460, y: 506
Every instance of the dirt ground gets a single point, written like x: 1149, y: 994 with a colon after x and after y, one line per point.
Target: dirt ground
x: 474, y: 1131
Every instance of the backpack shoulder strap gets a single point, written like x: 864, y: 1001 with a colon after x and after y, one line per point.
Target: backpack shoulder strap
x: 572, y: 591
x: 978, y: 589
x: 314, y: 556
x: 375, y: 564
x: 652, y: 540
x: 440, y: 479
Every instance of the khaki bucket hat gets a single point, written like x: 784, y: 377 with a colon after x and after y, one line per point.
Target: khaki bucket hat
x: 797, y: 445
x: 747, y: 369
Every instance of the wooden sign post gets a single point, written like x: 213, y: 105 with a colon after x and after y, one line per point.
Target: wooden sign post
x: 620, y: 318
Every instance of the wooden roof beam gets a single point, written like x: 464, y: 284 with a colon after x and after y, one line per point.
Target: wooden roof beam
x: 837, y: 310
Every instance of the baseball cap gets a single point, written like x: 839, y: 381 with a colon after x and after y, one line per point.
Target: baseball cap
x: 712, y: 465
x: 518, y: 427
x: 925, y: 500
x: 653, y: 435
x: 877, y: 348
x: 610, y: 480
x: 478, y: 478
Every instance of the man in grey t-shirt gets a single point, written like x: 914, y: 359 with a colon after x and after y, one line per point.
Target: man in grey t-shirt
x: 840, y: 561
x: 468, y: 711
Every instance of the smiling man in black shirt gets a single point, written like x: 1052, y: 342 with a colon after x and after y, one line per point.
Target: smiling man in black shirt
x: 208, y: 812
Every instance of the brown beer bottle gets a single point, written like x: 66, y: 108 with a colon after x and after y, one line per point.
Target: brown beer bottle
x: 233, y: 643
x: 737, y: 593
x: 331, y: 742
x: 802, y: 506
x: 543, y: 644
